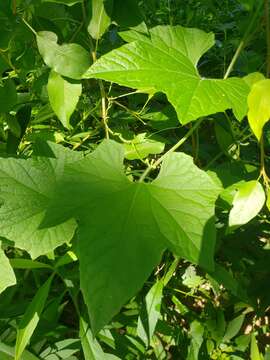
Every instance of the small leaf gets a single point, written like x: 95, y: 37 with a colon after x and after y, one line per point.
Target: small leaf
x: 268, y: 200
x: 233, y: 328
x: 196, y: 335
x: 150, y: 313
x: 63, y: 97
x: 70, y: 60
x: 259, y: 106
x: 31, y: 318
x: 141, y: 147
x: 91, y: 348
x: 247, y: 203
x: 7, y: 274
x: 100, y: 20
x: 65, y: 2
x: 254, y: 350
x: 8, y: 96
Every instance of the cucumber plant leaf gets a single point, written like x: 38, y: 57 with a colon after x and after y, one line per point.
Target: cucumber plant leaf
x: 125, y: 226
x: 25, y: 188
x: 247, y: 203
x: 7, y: 274
x: 63, y: 97
x: 164, y: 63
x: 259, y: 106
x: 70, y: 60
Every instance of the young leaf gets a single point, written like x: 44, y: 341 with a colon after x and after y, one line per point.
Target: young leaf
x: 31, y: 318
x: 164, y: 63
x: 25, y: 188
x: 7, y: 274
x: 100, y: 20
x: 63, y: 97
x: 196, y: 335
x: 125, y: 225
x: 233, y: 327
x: 141, y: 147
x: 259, y: 106
x: 247, y: 203
x: 70, y: 60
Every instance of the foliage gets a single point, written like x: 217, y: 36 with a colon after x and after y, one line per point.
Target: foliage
x: 135, y: 198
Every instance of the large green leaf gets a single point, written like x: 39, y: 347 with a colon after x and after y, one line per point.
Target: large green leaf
x: 63, y: 96
x: 70, y: 60
x: 124, y: 226
x: 7, y: 274
x: 166, y: 62
x: 25, y: 190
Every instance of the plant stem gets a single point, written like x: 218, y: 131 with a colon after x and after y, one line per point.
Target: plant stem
x: 243, y: 41
x: 172, y: 149
x: 267, y: 25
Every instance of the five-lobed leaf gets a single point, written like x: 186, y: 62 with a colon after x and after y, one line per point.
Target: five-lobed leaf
x: 63, y: 97
x: 70, y: 60
x: 125, y: 226
x: 259, y: 106
x: 164, y: 63
x: 247, y: 203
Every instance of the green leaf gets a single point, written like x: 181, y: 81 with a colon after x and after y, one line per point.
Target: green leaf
x: 31, y: 318
x: 70, y: 60
x: 141, y: 147
x: 233, y: 327
x: 196, y: 335
x: 268, y: 200
x: 125, y: 225
x: 7, y: 353
x: 150, y: 313
x: 165, y: 63
x: 63, y: 97
x: 259, y: 106
x: 8, y: 96
x: 101, y: 17
x: 247, y: 203
x: 128, y: 14
x: 65, y: 2
x: 91, y: 348
x: 7, y: 274
x: 254, y: 350
x: 25, y: 190
x: 253, y: 78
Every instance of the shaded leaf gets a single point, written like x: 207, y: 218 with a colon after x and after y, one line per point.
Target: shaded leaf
x: 125, y: 225
x: 31, y: 318
x: 8, y: 96
x: 142, y: 146
x: 70, y: 60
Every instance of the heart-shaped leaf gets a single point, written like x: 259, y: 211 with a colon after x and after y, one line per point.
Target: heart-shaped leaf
x: 125, y: 226
x: 70, y: 60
